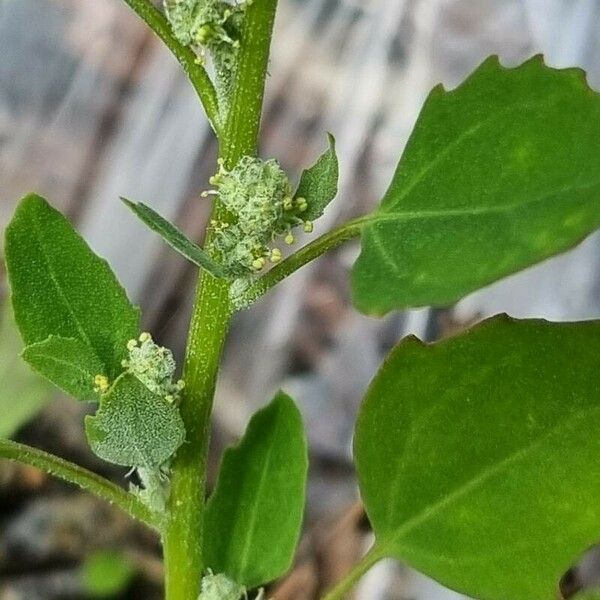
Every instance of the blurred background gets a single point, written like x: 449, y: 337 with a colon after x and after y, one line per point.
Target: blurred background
x: 93, y: 107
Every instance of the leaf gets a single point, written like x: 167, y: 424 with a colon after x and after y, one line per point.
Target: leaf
x: 22, y: 393
x: 473, y: 456
x: 61, y: 288
x: 498, y: 174
x: 134, y: 427
x: 254, y: 516
x: 319, y: 183
x: 105, y: 574
x: 175, y: 238
x: 69, y: 363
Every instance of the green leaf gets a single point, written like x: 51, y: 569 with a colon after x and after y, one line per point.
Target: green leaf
x: 319, y: 183
x: 134, y: 427
x: 106, y: 574
x: 473, y: 456
x: 22, y: 393
x: 61, y: 288
x: 69, y: 363
x: 254, y: 516
x: 175, y: 238
x: 498, y: 174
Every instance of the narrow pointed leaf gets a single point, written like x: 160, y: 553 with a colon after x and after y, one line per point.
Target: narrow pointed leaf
x: 175, y: 238
x: 61, y: 288
x: 498, y: 174
x: 254, y: 516
x: 319, y: 183
x: 134, y: 427
x: 69, y: 363
x: 474, y: 456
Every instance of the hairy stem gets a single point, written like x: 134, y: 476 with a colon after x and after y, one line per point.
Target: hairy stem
x: 328, y: 241
x: 341, y: 590
x: 183, y: 538
x: 76, y: 475
x: 196, y: 73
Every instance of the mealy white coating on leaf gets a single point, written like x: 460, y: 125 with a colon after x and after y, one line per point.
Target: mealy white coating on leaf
x: 154, y: 366
x: 155, y: 487
x: 220, y: 587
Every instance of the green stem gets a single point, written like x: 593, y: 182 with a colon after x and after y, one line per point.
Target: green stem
x: 328, y: 241
x: 342, y: 589
x: 76, y: 475
x: 183, y: 538
x: 196, y: 73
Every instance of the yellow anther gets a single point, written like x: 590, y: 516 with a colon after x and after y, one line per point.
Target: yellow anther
x: 276, y: 255
x: 258, y: 263
x: 302, y: 204
x: 101, y: 384
x: 308, y: 227
x: 289, y: 239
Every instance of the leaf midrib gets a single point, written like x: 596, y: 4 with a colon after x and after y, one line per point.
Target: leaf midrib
x: 55, y: 281
x: 253, y: 513
x: 457, y: 142
x: 388, y: 545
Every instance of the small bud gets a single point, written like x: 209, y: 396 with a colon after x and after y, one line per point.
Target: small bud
x: 308, y: 227
x: 131, y: 344
x: 145, y: 337
x: 290, y: 239
x: 302, y: 204
x: 276, y: 255
x: 258, y: 263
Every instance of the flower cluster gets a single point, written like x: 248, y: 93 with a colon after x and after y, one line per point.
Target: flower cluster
x: 258, y: 195
x: 154, y: 366
x: 214, y: 26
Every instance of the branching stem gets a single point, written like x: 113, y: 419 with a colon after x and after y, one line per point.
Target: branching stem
x: 328, y: 241
x: 196, y: 73
x: 76, y: 475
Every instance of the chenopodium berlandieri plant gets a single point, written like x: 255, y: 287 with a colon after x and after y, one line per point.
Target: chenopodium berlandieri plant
x: 258, y: 195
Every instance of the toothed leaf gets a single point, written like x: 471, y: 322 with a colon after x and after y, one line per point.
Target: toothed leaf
x: 61, y: 288
x: 134, y: 427
x: 498, y: 174
x: 473, y: 456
